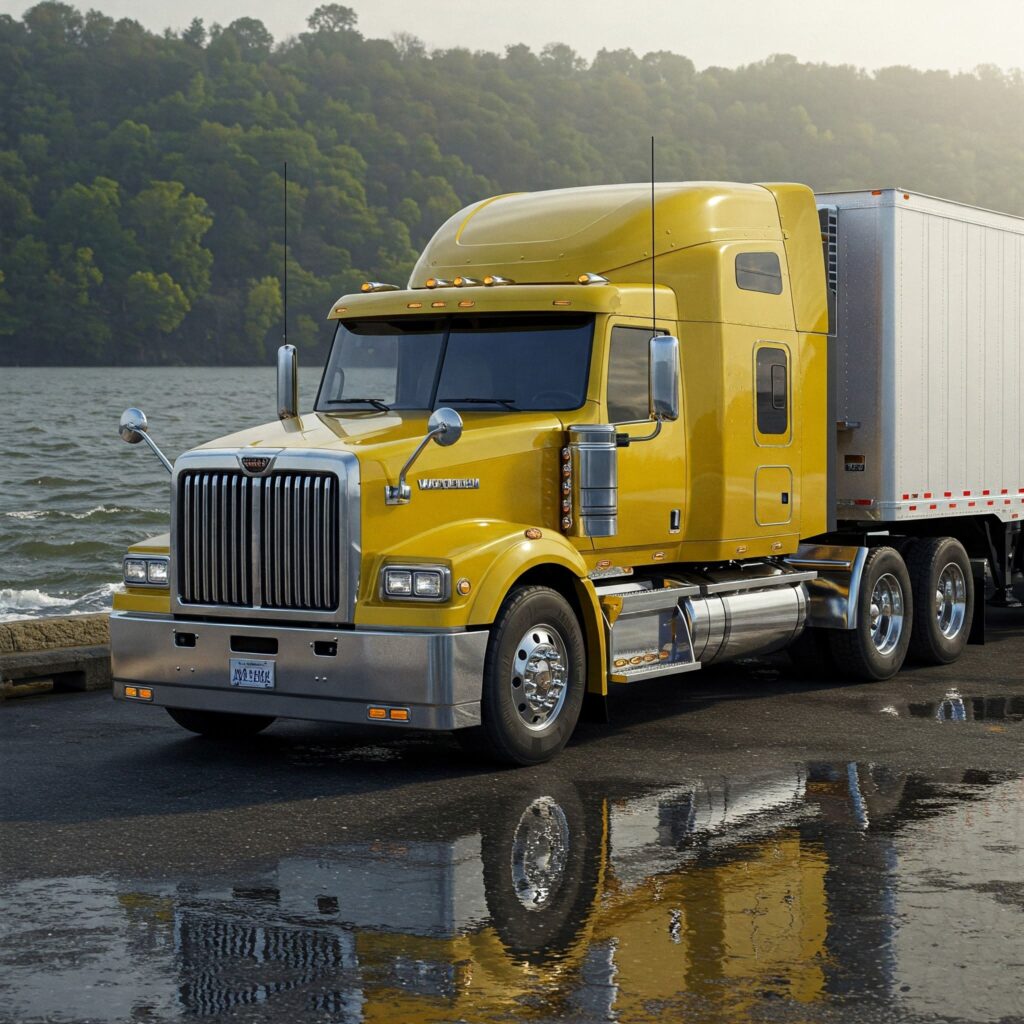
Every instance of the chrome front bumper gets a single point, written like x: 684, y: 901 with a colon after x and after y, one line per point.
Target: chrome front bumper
x: 437, y: 676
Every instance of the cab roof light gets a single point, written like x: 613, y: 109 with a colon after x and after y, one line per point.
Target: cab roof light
x: 378, y: 286
x: 591, y: 279
x: 494, y: 279
x: 465, y: 282
x: 437, y: 282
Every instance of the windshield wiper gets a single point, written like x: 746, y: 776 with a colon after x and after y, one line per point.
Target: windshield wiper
x: 378, y: 403
x: 507, y: 402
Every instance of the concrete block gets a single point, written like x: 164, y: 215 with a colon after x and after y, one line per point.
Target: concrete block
x: 70, y: 668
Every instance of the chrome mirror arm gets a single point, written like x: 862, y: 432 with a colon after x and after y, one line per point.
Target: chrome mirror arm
x: 627, y: 440
x: 401, y: 494
x: 154, y: 448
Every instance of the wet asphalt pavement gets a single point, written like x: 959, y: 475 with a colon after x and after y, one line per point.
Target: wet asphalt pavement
x: 736, y: 845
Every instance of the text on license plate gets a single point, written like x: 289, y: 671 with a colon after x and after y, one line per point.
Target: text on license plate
x: 253, y: 675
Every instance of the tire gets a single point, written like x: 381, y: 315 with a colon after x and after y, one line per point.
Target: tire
x: 541, y: 854
x: 527, y: 717
x: 876, y: 647
x: 220, y: 725
x: 943, y: 588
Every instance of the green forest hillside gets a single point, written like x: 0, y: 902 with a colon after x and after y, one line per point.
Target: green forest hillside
x: 141, y: 212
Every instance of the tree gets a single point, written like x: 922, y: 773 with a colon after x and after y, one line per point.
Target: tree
x: 332, y: 18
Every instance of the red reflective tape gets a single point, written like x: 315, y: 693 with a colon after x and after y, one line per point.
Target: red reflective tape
x: 989, y: 502
x: 971, y: 504
x: 947, y: 494
x: 967, y: 494
x: 864, y: 501
x: 927, y: 494
x: 1003, y: 491
x: 952, y: 504
x: 913, y: 508
x: 933, y: 506
x: 906, y: 497
x: 986, y: 491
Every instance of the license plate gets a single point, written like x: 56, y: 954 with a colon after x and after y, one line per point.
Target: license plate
x: 252, y: 675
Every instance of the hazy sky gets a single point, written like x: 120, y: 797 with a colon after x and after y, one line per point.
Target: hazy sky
x: 953, y: 34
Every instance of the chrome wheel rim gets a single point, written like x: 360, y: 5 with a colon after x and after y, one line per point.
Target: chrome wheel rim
x: 540, y: 676
x: 950, y: 600
x: 886, y: 613
x: 540, y: 851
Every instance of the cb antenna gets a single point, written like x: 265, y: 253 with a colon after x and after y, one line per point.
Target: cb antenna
x: 654, y: 304
x: 285, y: 309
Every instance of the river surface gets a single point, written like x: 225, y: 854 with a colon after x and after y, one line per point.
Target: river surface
x: 73, y: 496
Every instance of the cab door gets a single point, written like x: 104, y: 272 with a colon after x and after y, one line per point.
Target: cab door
x: 651, y: 474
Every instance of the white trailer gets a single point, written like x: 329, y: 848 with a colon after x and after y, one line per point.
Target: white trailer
x: 928, y: 368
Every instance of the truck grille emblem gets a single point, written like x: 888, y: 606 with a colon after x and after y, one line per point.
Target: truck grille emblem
x: 255, y: 464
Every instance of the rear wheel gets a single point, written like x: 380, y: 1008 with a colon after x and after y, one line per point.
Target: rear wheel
x: 534, y: 678
x: 219, y: 725
x: 943, y: 587
x: 877, y: 646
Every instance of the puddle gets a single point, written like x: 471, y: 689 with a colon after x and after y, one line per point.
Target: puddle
x: 817, y: 891
x: 957, y: 708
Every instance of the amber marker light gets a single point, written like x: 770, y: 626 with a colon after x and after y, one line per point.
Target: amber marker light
x: 377, y: 713
x: 591, y: 279
x: 533, y: 533
x: 562, y: 302
x: 465, y: 282
x: 463, y: 587
x: 414, y: 305
x: 131, y: 691
x: 494, y: 279
x: 466, y: 304
x: 436, y: 282
x: 438, y: 305
x: 145, y: 694
x: 399, y: 715
x: 341, y: 309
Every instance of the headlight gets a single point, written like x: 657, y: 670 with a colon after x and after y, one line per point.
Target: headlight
x: 416, y: 582
x: 146, y: 572
x: 156, y: 572
x: 135, y: 570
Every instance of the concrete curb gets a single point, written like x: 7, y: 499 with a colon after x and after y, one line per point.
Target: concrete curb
x: 71, y: 653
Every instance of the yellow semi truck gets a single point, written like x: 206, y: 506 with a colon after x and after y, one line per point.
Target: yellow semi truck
x: 603, y: 434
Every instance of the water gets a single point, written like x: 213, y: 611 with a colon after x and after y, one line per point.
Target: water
x: 73, y: 496
x: 810, y: 892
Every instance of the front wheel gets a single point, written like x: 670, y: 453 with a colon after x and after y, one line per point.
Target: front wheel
x: 877, y: 646
x: 534, y: 678
x: 219, y: 725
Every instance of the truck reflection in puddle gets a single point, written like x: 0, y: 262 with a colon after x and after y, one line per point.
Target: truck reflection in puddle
x: 803, y: 886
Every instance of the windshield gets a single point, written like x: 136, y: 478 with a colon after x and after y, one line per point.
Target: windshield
x: 521, y: 363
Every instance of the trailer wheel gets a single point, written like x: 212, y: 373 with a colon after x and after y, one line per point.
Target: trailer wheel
x: 220, y: 725
x: 877, y: 646
x: 534, y: 678
x: 943, y: 588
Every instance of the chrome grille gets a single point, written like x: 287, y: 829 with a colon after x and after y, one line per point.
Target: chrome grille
x: 299, y: 541
x: 214, y: 530
x: 293, y: 517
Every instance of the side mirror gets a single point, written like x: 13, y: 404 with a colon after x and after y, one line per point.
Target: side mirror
x: 664, y: 377
x: 287, y: 382
x: 444, y: 427
x: 134, y: 427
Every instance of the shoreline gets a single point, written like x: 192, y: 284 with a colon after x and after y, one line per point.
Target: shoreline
x: 54, y: 654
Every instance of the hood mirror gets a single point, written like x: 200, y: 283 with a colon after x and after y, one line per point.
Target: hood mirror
x: 444, y: 427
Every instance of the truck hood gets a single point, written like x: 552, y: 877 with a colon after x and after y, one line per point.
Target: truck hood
x: 375, y: 436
